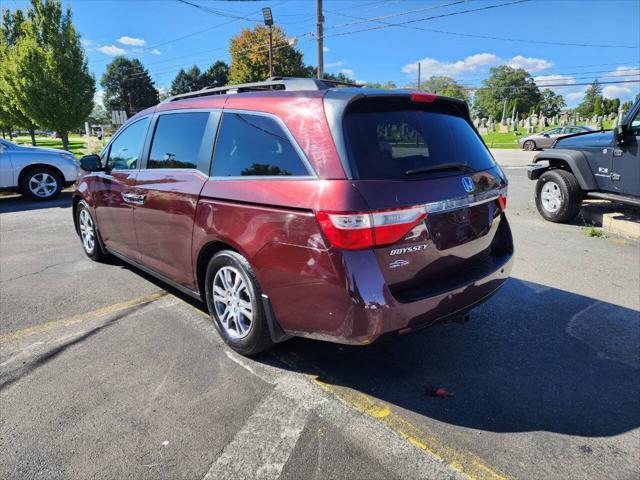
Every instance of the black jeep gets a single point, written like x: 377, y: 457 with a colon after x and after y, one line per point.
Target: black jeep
x: 603, y: 164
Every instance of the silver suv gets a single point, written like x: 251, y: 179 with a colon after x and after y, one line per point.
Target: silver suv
x: 39, y: 173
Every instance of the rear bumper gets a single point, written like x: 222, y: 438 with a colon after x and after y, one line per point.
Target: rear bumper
x: 374, y: 319
x: 363, y: 309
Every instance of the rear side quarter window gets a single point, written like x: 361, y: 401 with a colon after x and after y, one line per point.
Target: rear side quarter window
x: 252, y: 145
x: 178, y: 141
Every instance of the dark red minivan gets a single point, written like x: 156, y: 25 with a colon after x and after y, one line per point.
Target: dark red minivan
x: 294, y: 207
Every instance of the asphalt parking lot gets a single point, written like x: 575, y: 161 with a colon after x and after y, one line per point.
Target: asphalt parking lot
x: 107, y: 373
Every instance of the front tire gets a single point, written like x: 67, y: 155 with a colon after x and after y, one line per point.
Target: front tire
x: 529, y: 146
x: 558, y: 196
x: 88, y: 233
x: 234, y: 300
x: 41, y: 183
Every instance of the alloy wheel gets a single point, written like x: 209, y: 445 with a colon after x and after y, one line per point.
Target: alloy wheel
x: 43, y: 185
x: 232, y: 302
x: 87, y: 233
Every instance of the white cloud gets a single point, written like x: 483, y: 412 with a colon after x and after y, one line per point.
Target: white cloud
x: 112, y: 50
x: 624, y: 72
x: 339, y: 63
x: 574, y: 98
x: 431, y: 66
x: 86, y: 42
x: 530, y: 64
x: 132, y: 41
x: 155, y: 51
x: 326, y: 49
x: 348, y: 72
x: 551, y: 82
x: 614, y: 91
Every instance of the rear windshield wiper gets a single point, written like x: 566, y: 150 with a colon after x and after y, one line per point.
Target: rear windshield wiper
x: 443, y: 167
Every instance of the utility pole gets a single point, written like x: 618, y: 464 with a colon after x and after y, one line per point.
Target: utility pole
x: 319, y: 35
x: 271, y: 50
x: 418, y: 75
x: 268, y: 21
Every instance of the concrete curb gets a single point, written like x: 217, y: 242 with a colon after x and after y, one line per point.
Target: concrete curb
x: 613, y: 218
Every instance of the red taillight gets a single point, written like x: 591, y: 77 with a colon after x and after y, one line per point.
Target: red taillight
x: 423, y: 97
x: 502, y: 199
x: 359, y: 230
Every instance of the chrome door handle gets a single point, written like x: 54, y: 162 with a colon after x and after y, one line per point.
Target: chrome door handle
x: 134, y: 198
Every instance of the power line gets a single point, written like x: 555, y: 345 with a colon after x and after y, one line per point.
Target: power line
x: 443, y: 15
x: 486, y: 37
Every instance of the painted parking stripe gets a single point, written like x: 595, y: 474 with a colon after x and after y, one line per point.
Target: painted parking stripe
x: 263, y: 446
x: 45, y: 327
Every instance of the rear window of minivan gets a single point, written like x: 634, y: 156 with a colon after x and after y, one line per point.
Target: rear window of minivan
x: 392, y: 142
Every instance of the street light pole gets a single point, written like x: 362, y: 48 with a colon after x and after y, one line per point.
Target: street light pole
x: 271, y: 50
x: 319, y: 34
x: 268, y: 21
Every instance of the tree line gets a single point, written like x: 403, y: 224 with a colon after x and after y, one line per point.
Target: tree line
x: 45, y: 82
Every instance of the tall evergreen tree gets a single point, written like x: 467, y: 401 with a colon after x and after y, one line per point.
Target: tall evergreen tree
x: 588, y: 105
x: 128, y: 86
x: 217, y: 75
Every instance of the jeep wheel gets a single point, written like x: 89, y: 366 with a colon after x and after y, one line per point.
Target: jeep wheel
x: 529, y: 146
x: 558, y: 196
x: 234, y: 301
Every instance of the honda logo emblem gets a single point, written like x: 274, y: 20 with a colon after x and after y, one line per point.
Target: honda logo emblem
x: 468, y: 184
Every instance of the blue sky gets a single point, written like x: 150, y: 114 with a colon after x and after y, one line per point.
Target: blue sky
x: 167, y: 35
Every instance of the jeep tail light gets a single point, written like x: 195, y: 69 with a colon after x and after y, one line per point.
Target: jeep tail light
x: 502, y: 199
x: 359, y: 230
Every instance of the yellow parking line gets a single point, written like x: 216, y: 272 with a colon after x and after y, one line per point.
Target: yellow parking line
x: 465, y: 462
x: 45, y: 327
x: 469, y: 464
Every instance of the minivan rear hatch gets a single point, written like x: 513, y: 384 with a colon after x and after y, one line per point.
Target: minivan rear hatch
x: 421, y: 151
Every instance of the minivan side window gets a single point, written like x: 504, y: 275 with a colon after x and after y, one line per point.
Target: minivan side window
x: 125, y: 150
x: 177, y: 140
x: 254, y: 145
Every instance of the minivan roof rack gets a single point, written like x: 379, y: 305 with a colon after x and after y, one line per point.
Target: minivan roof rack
x: 273, y: 83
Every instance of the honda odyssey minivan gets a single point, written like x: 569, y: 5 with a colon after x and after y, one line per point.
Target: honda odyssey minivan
x: 296, y: 208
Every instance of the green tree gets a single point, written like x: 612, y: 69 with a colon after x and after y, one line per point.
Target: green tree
x: 386, y: 85
x: 128, y: 86
x: 11, y: 28
x: 446, y: 86
x: 52, y: 83
x: 551, y: 103
x: 98, y: 116
x: 217, y: 75
x: 588, y: 106
x: 187, y: 81
x: 249, y: 52
x: 513, y: 85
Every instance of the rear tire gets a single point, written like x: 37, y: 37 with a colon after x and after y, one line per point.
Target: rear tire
x: 41, y: 183
x: 558, y: 196
x: 89, y: 233
x: 234, y: 300
x: 529, y: 146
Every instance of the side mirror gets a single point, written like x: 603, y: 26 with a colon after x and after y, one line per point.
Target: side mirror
x: 545, y: 135
x: 619, y: 133
x: 91, y: 163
